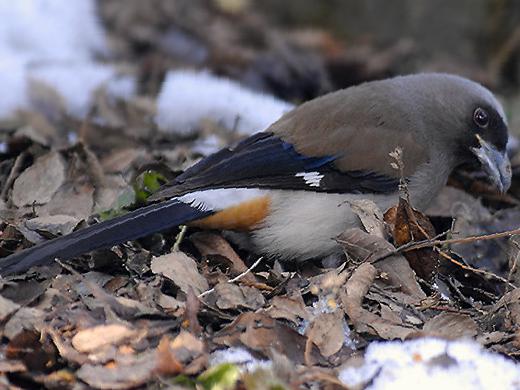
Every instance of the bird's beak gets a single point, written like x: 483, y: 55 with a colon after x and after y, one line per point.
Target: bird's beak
x: 495, y: 163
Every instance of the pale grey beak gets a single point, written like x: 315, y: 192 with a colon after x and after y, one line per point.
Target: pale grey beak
x: 496, y: 164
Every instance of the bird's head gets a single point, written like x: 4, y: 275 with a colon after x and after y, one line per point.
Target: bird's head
x: 467, y: 117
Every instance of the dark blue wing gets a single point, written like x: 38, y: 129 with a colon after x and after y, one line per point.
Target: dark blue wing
x: 266, y: 161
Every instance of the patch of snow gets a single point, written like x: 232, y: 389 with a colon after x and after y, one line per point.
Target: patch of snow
x: 78, y: 82
x: 208, y: 145
x: 55, y: 42
x: 12, y: 79
x: 432, y: 364
x: 49, y: 30
x: 187, y: 97
x: 240, y: 357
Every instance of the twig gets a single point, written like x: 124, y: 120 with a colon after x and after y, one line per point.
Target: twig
x: 179, y: 238
x: 475, y: 270
x: 235, y: 279
x: 410, y: 246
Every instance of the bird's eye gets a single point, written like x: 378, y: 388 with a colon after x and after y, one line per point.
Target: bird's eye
x: 481, y: 117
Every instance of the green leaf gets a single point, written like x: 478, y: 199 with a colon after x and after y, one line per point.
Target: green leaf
x: 221, y: 377
x: 147, y: 183
x: 126, y: 199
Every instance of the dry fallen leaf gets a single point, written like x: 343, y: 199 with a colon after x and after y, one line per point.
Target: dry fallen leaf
x: 289, y: 308
x: 135, y: 371
x: 7, y: 307
x: 54, y: 224
x: 412, y: 225
x: 262, y: 334
x: 92, y: 339
x: 211, y: 244
x: 231, y: 296
x: 180, y: 269
x: 451, y: 326
x: 327, y: 332
x: 364, y: 321
x: 363, y: 247
x: 370, y: 215
x: 38, y: 183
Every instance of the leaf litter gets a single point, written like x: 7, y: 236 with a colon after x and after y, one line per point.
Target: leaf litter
x: 145, y: 314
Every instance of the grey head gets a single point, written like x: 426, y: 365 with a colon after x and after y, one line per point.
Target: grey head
x: 460, y: 115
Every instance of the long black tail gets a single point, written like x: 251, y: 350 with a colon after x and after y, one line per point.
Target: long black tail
x: 136, y: 224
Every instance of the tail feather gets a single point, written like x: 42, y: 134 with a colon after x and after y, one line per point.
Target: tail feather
x: 136, y: 224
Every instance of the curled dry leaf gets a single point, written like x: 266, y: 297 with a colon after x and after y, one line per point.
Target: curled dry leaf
x: 173, y: 356
x: 412, y: 225
x: 92, y: 339
x: 364, y: 321
x: 261, y: 333
x: 289, y: 308
x: 370, y: 215
x: 211, y: 244
x: 327, y: 332
x: 363, y: 247
x: 135, y: 371
x: 231, y: 296
x: 510, y: 304
x: 54, y: 224
x: 7, y: 307
x: 451, y: 326
x: 38, y: 183
x: 180, y: 269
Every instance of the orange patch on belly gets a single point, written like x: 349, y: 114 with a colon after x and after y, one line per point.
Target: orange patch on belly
x: 244, y: 216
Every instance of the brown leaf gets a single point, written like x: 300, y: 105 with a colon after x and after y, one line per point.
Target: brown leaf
x: 167, y: 363
x: 451, y: 326
x: 7, y: 307
x: 36, y: 353
x: 54, y: 224
x: 370, y: 215
x: 262, y: 333
x: 133, y: 372
x: 364, y: 247
x: 327, y: 332
x: 174, y: 355
x: 92, y: 339
x: 74, y: 199
x: 364, y: 321
x: 412, y: 225
x: 231, y: 296
x: 38, y: 183
x: 181, y: 270
x: 289, y: 308
x: 211, y: 244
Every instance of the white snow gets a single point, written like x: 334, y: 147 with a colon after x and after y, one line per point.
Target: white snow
x: 239, y: 356
x: 78, y: 82
x: 430, y: 363
x: 55, y: 42
x: 187, y: 97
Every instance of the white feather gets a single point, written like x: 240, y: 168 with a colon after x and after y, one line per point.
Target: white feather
x: 313, y: 179
x: 219, y: 199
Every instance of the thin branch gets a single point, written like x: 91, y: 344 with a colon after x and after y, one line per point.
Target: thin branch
x: 235, y: 279
x: 475, y: 270
x: 435, y: 241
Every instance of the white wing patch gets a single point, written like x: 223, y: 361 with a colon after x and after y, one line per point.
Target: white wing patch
x: 313, y: 179
x: 219, y: 199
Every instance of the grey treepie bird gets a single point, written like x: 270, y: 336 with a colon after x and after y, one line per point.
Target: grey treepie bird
x: 289, y: 186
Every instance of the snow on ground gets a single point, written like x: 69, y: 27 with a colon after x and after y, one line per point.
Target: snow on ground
x: 55, y: 42
x: 430, y: 363
x: 187, y: 97
x: 239, y: 356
